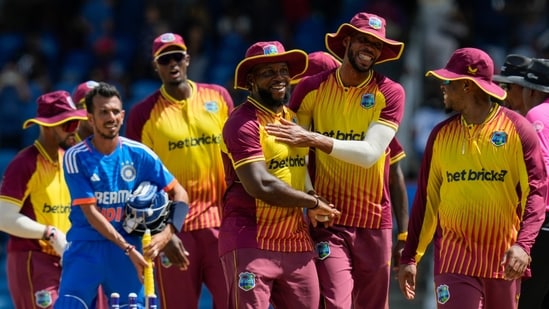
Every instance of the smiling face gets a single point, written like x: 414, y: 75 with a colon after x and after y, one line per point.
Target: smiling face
x: 171, y: 65
x: 363, y: 50
x: 270, y: 83
x: 107, y: 116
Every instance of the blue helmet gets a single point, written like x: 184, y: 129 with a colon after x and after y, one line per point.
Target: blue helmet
x: 146, y: 208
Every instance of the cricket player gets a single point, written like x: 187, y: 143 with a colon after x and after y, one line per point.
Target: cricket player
x: 102, y: 172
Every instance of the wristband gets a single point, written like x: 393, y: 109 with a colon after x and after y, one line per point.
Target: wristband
x: 317, y: 202
x: 402, y: 236
x: 128, y: 249
x: 178, y: 213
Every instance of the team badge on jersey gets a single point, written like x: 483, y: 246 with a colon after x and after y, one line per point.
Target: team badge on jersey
x: 322, y: 250
x: 246, y: 281
x: 43, y: 299
x: 443, y: 294
x: 367, y: 101
x: 128, y: 172
x: 499, y: 138
x: 211, y: 106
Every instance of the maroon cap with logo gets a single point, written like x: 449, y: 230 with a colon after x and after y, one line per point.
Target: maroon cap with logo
x: 166, y: 40
x: 81, y: 90
x: 473, y: 64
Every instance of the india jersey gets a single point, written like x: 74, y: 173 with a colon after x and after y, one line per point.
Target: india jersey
x: 539, y: 117
x: 186, y: 135
x: 36, y: 183
x: 345, y: 113
x: 481, y: 189
x: 249, y: 222
x: 108, y: 181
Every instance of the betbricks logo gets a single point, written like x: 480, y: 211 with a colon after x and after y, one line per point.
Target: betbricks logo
x: 470, y: 175
x: 56, y: 209
x: 195, y: 141
x: 297, y: 161
x: 344, y: 136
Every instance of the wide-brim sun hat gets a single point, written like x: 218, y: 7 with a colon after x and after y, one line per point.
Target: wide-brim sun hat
x: 365, y: 23
x: 536, y: 77
x: 472, y: 64
x: 514, y: 65
x: 55, y: 108
x: 319, y: 61
x: 269, y: 52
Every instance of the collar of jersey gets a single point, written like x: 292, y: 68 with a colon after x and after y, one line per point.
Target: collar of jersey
x: 365, y: 82
x: 43, y: 152
x: 172, y: 99
x: 491, y: 114
x: 259, y: 106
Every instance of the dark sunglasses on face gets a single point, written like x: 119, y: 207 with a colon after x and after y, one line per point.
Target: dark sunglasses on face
x: 70, y: 126
x: 167, y: 58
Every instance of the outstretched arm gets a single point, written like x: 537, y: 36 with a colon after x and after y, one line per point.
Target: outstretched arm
x: 364, y: 153
x: 17, y: 224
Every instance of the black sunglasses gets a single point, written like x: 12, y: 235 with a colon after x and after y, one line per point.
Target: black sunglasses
x: 167, y: 58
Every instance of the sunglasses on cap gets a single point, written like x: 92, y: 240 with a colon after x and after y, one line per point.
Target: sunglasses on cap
x: 166, y: 58
x: 70, y: 126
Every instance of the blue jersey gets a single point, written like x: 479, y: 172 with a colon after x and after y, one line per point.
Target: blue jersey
x: 108, y: 181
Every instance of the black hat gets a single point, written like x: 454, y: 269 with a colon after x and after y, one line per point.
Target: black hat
x: 515, y: 65
x: 537, y: 76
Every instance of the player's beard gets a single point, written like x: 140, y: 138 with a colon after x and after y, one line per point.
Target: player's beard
x: 352, y: 60
x: 65, y: 145
x: 109, y: 135
x: 68, y: 142
x: 268, y: 101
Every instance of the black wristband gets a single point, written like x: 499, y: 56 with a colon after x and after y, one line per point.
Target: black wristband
x: 317, y: 202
